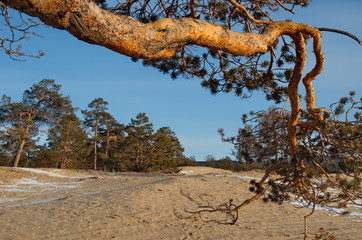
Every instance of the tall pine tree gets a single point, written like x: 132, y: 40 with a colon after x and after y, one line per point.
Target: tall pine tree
x: 139, y: 142
x: 167, y: 150
x: 94, y: 119
x: 41, y: 105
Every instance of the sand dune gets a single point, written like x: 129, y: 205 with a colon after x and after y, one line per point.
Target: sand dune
x: 74, y: 204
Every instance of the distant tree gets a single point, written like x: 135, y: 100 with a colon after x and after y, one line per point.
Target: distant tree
x: 210, y: 161
x: 187, y: 161
x: 9, y: 146
x: 138, y: 145
x: 167, y: 150
x: 244, y: 145
x: 7, y: 141
x: 44, y: 157
x: 40, y: 106
x: 226, y: 163
x: 223, y: 163
x: 209, y: 157
x: 6, y: 149
x: 142, y: 149
x: 68, y: 140
x: 110, y: 131
x: 95, y: 118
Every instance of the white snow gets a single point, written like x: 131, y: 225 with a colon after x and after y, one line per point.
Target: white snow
x: 237, y: 176
x: 34, y: 183
x: 34, y: 202
x: 333, y: 210
x: 186, y: 172
x: 15, y: 190
x: 10, y: 200
x: 49, y: 173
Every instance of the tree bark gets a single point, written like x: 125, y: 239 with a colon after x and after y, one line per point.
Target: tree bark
x: 19, y: 152
x: 160, y: 39
x: 95, y: 152
x: 108, y: 139
x: 95, y: 155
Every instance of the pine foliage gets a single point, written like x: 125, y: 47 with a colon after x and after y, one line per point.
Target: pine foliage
x: 99, y: 141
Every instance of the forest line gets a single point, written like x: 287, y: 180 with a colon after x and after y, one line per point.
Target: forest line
x: 98, y: 141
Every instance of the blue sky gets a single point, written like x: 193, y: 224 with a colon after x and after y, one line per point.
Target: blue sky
x: 87, y: 71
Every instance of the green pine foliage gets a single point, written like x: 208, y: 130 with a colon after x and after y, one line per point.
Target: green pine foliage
x: 144, y: 150
x: 94, y: 119
x: 167, y: 150
x: 98, y: 141
x: 138, y: 145
x: 21, y: 121
x: 331, y: 152
x: 220, y: 71
x: 67, y: 140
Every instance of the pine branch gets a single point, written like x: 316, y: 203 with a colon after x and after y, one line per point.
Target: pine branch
x: 341, y: 32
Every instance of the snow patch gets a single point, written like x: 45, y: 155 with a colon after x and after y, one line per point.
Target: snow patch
x: 35, y: 183
x: 48, y: 173
x: 338, y: 211
x: 15, y: 190
x: 10, y: 200
x: 38, y: 201
x: 237, y: 176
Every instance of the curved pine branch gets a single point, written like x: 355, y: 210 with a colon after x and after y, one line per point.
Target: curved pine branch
x: 157, y: 40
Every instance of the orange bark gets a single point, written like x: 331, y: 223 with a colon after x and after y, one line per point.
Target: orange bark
x: 160, y: 39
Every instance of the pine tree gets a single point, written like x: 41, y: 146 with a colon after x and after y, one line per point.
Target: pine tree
x: 167, y: 150
x: 111, y: 132
x: 210, y: 161
x: 138, y: 145
x: 41, y: 105
x: 226, y: 163
x: 94, y: 119
x: 68, y: 140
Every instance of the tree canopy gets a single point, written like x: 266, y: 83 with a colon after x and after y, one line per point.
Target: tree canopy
x: 96, y: 141
x: 41, y: 104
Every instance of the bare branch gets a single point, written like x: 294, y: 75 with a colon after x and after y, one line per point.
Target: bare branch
x: 13, y: 34
x: 341, y: 32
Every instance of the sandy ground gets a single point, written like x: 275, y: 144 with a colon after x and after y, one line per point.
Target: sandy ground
x: 71, y: 204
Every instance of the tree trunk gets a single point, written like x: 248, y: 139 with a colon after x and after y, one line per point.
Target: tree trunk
x: 62, y: 163
x: 19, y: 152
x: 95, y: 155
x: 108, y: 139
x: 95, y: 152
x: 63, y: 160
